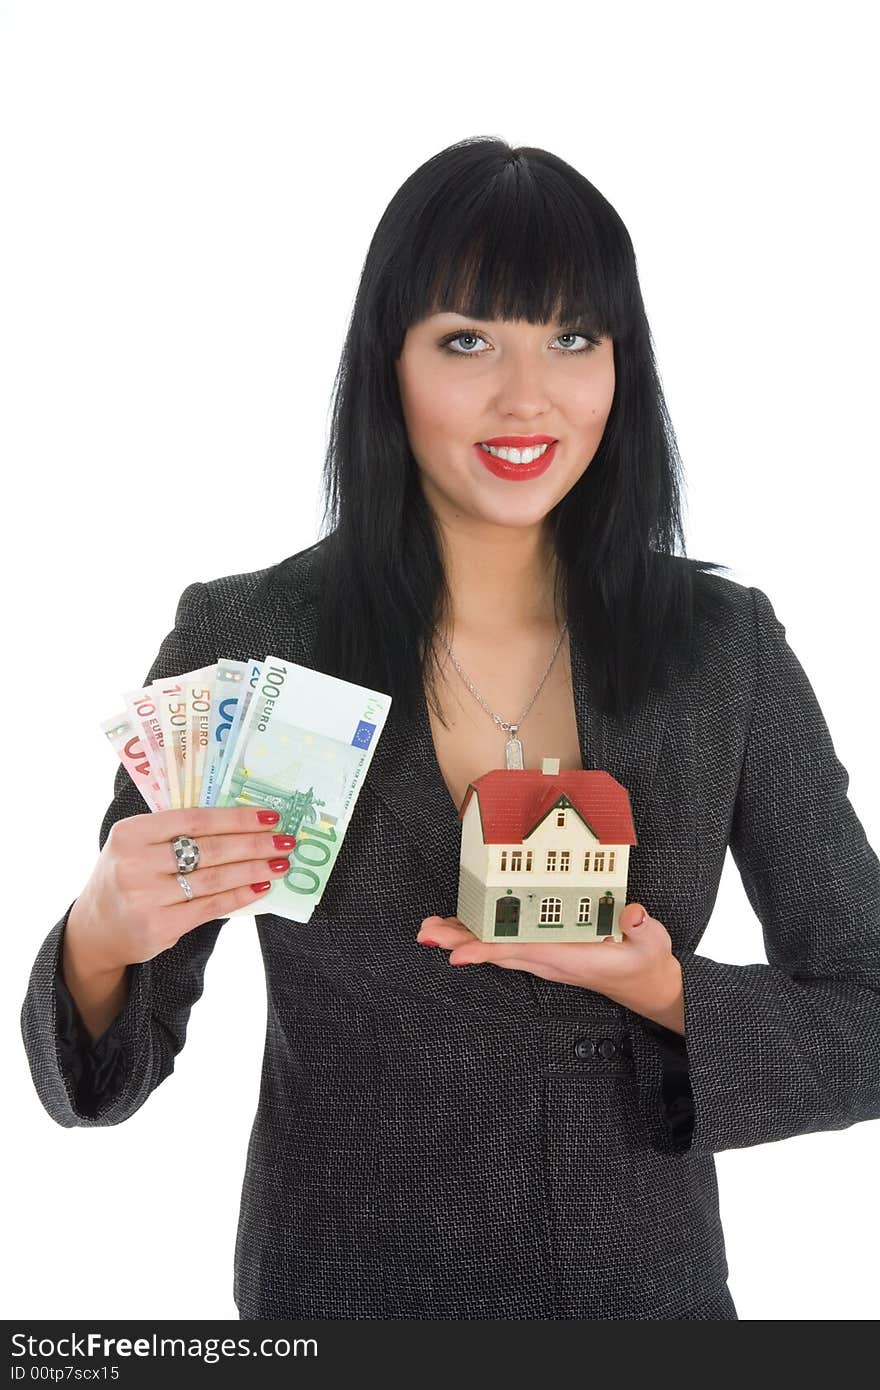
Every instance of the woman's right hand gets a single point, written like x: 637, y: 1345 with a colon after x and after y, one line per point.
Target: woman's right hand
x: 132, y: 907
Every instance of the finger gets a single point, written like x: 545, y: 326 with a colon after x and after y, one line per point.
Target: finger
x: 546, y: 972
x: 219, y: 849
x: 532, y: 967
x: 479, y: 953
x: 552, y: 954
x: 642, y: 932
x: 208, y: 909
x: 207, y: 883
x: 633, y: 916
x: 206, y: 820
x: 444, y: 931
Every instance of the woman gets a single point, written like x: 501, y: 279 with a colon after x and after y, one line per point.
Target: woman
x: 532, y: 1137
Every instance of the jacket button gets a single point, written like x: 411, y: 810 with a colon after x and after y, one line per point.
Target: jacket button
x: 583, y: 1048
x: 606, y: 1048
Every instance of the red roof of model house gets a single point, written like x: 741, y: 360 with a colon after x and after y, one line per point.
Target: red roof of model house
x: 514, y: 801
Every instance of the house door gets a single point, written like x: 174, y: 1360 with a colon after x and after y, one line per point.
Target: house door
x: 605, y: 925
x: 507, y: 917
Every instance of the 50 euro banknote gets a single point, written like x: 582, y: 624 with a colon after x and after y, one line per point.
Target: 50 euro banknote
x: 258, y: 733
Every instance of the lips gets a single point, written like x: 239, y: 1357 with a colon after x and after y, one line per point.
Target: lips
x: 519, y: 441
x: 515, y: 472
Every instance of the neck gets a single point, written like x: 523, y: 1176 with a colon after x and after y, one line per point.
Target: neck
x: 500, y: 580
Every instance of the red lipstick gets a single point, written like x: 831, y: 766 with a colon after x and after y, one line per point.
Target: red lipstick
x: 517, y: 472
x: 519, y: 441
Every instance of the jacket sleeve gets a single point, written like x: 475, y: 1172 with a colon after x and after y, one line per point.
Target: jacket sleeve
x: 91, y: 1064
x: 104, y: 1082
x: 791, y: 1046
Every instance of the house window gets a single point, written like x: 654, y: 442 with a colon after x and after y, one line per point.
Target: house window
x: 504, y: 859
x: 560, y: 817
x: 586, y: 861
x: 564, y: 860
x: 611, y: 861
x: 551, y: 861
x: 584, y: 910
x: 551, y: 912
x: 599, y: 861
x: 528, y: 860
x: 516, y: 861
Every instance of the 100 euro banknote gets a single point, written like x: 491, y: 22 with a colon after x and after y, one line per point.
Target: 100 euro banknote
x: 258, y: 733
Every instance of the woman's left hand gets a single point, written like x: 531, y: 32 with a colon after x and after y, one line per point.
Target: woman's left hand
x: 640, y: 972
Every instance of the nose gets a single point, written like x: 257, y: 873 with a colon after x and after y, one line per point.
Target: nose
x: 522, y: 397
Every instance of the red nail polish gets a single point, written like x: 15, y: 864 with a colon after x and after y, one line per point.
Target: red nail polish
x: 260, y: 887
x: 423, y: 941
x: 278, y: 865
x: 284, y: 841
x: 268, y: 817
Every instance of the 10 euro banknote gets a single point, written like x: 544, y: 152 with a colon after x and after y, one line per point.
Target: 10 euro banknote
x: 257, y: 733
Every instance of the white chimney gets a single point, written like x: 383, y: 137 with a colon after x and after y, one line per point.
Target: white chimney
x: 550, y: 765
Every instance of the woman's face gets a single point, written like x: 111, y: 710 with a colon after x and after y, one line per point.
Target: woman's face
x: 466, y: 381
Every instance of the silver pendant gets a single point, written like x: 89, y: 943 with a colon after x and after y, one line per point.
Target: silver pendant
x: 513, y: 753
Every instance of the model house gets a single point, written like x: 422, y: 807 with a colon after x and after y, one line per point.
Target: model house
x: 544, y: 855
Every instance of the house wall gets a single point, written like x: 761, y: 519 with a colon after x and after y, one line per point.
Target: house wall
x: 482, y: 883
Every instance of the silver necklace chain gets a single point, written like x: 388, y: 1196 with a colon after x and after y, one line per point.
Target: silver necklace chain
x: 513, y: 749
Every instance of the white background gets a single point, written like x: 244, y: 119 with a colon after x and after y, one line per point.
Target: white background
x: 189, y: 190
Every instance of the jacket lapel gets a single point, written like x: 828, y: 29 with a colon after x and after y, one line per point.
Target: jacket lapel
x: 627, y: 746
x: 405, y: 775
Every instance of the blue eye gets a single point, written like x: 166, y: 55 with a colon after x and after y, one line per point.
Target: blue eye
x: 446, y: 343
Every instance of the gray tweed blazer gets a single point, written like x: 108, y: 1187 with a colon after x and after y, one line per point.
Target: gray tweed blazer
x: 483, y: 1143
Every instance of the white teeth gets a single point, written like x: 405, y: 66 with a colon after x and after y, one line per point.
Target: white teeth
x: 516, y: 455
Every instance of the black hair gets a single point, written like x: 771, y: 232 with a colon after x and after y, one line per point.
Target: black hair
x: 496, y: 232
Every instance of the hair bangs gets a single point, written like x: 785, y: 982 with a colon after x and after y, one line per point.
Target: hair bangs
x: 518, y: 248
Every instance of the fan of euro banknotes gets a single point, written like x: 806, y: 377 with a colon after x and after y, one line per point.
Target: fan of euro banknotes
x: 257, y: 733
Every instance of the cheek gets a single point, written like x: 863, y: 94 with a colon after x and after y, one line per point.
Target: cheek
x: 433, y: 408
x: 443, y: 421
x: 607, y: 391
x: 598, y: 401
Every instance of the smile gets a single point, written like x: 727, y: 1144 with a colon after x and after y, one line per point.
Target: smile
x: 516, y: 465
x: 516, y: 455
